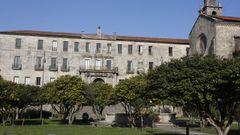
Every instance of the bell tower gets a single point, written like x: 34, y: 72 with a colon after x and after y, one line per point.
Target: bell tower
x: 211, y: 8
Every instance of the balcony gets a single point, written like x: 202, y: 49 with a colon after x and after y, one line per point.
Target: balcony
x: 65, y: 68
x: 39, y: 67
x: 100, y: 69
x: 130, y: 71
x: 53, y: 68
x: 17, y: 66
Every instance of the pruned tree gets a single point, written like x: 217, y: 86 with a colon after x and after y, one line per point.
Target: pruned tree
x: 210, y: 83
x: 131, y: 93
x: 99, y: 95
x: 66, y: 96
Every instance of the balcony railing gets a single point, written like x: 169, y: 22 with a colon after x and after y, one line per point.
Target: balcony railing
x: 39, y: 67
x: 53, y: 68
x: 16, y: 66
x: 99, y: 69
x: 65, y: 69
x: 130, y: 71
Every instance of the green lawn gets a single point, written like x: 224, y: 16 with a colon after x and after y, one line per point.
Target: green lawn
x: 76, y: 130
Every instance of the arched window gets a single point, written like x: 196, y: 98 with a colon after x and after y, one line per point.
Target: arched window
x: 202, y: 44
x: 98, y: 80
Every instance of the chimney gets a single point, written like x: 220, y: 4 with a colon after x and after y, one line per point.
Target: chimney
x: 99, y: 31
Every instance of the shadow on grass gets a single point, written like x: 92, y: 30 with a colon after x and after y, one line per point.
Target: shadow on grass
x: 234, y: 132
x: 157, y: 133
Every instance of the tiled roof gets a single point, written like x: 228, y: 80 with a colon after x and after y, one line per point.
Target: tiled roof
x: 96, y: 37
x: 228, y: 18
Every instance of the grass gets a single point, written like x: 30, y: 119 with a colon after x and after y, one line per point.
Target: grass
x: 32, y: 127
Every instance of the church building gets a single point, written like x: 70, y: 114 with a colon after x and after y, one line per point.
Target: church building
x: 213, y: 33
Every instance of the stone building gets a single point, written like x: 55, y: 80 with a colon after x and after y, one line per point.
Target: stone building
x: 213, y: 33
x: 37, y: 57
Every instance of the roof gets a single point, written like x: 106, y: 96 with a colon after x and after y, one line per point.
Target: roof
x: 228, y: 18
x: 95, y: 37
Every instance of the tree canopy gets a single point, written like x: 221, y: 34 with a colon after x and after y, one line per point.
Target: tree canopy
x: 66, y: 95
x: 210, y: 84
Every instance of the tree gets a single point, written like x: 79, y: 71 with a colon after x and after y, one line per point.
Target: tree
x: 131, y: 93
x: 66, y: 96
x: 99, y: 95
x: 210, y: 84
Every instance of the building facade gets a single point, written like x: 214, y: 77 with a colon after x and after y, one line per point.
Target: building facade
x: 37, y: 57
x: 213, y: 33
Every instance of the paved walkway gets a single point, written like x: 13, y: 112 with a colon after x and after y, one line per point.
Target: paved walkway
x: 180, y: 130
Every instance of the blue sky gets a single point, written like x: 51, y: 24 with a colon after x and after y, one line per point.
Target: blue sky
x: 151, y: 18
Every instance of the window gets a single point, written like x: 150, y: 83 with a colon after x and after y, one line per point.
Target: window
x: 39, y: 61
x: 65, y: 63
x: 109, y: 48
x: 119, y: 48
x: 16, y: 79
x: 76, y: 46
x: 109, y: 64
x: 187, y: 51
x: 151, y: 64
x: 52, y: 79
x: 17, y: 61
x: 18, y: 43
x: 140, y: 49
x: 150, y: 50
x: 170, y: 51
x: 130, y: 48
x: 98, y: 64
x: 40, y: 45
x: 236, y: 52
x: 98, y: 48
x: 87, y: 63
x: 87, y: 47
x: 38, y: 81
x: 129, y: 66
x: 27, y: 80
x: 54, y: 45
x: 65, y: 46
x: 53, y: 62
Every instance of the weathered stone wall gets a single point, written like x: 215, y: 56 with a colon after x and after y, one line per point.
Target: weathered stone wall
x: 28, y: 53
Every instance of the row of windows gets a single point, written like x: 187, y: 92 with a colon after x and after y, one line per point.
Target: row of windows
x: 98, y: 47
x: 27, y: 80
x: 87, y: 64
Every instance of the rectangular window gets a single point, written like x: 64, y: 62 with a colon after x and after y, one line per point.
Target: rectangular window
x: 119, y: 48
x: 39, y: 61
x: 27, y: 80
x: 98, y: 64
x: 65, y: 63
x: 17, y: 60
x: 76, y: 46
x: 140, y: 49
x: 65, y: 46
x: 38, y: 81
x: 98, y: 48
x: 170, y: 51
x: 54, y: 62
x: 16, y: 79
x: 150, y: 50
x: 187, y: 51
x: 237, y: 44
x: 109, y: 64
x: 130, y: 48
x: 52, y: 79
x: 109, y: 48
x: 40, y: 45
x: 87, y: 47
x: 129, y: 66
x: 54, y: 45
x: 87, y: 63
x: 18, y: 43
x: 151, y: 64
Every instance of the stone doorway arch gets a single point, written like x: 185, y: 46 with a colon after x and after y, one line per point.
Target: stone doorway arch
x: 98, y: 80
x: 202, y: 44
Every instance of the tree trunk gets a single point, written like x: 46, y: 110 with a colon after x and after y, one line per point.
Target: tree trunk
x: 223, y: 132
x: 141, y: 122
